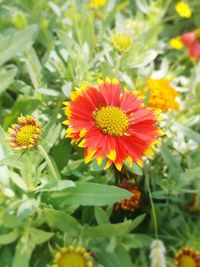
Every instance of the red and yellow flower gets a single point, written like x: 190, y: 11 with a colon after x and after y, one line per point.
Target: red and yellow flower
x: 191, y: 41
x: 111, y: 124
x: 187, y: 257
x: 25, y: 134
x: 132, y: 203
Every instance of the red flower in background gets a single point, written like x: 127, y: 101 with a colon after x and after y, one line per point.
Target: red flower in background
x: 191, y: 41
x: 132, y: 203
x: 111, y: 124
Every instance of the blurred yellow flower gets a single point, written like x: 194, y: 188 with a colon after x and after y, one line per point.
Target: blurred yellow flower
x: 176, y: 43
x: 73, y: 256
x: 121, y: 41
x: 25, y: 134
x: 97, y: 3
x: 162, y: 95
x: 187, y: 257
x: 183, y: 9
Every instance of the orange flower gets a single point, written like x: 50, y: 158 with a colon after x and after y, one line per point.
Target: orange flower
x: 187, y: 257
x: 111, y: 124
x: 25, y: 134
x: 162, y: 95
x: 132, y: 203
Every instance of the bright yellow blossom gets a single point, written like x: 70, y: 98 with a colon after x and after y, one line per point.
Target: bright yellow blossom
x: 176, y: 43
x: 183, y: 9
x: 121, y: 41
x: 73, y: 256
x: 97, y: 3
x: 162, y: 95
x: 25, y: 134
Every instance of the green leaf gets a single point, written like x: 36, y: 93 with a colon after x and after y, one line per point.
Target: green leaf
x: 110, y: 230
x: 132, y: 241
x: 172, y: 163
x: 16, y: 43
x: 39, y: 236
x: 9, y: 237
x: 62, y: 221
x: 92, y: 194
x: 6, y: 78
x: 101, y: 216
x: 27, y: 208
x: 18, y: 181
x: 23, y: 252
x: 56, y: 186
x: 189, y: 133
x: 6, y: 256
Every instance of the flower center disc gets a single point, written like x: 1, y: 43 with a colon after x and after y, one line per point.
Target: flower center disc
x: 112, y: 120
x: 187, y: 261
x: 71, y: 259
x: 26, y: 135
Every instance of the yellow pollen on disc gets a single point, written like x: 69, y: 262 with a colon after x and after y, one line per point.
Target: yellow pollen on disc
x: 112, y: 120
x: 187, y: 261
x: 72, y: 259
x: 26, y: 135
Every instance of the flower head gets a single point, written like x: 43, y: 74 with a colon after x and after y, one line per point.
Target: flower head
x: 183, y: 9
x: 111, y: 124
x: 132, y: 203
x: 25, y: 134
x: 157, y: 254
x: 97, y: 3
x: 162, y: 95
x: 191, y: 41
x: 187, y: 257
x: 73, y: 256
x: 176, y: 43
x: 121, y: 41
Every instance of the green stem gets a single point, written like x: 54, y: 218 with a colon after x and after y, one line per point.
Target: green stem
x: 152, y: 205
x: 118, y: 65
x: 48, y: 161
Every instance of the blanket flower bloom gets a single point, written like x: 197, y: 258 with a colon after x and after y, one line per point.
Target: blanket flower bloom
x: 176, y: 43
x: 183, y: 9
x: 121, y: 42
x: 97, y: 3
x: 187, y: 257
x: 191, y: 41
x: 132, y: 203
x: 73, y: 256
x: 162, y: 95
x: 111, y: 124
x: 25, y: 134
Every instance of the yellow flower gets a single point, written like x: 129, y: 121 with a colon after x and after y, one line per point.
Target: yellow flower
x: 162, y: 95
x: 97, y: 3
x: 121, y: 41
x: 187, y: 257
x: 183, y: 9
x: 25, y: 134
x: 73, y: 256
x: 176, y: 43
